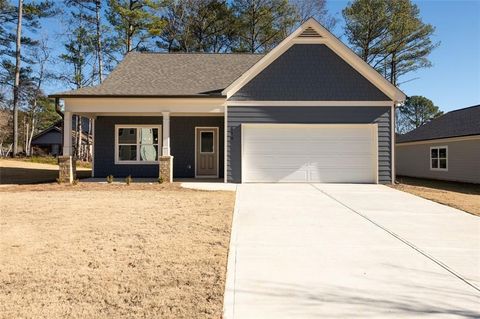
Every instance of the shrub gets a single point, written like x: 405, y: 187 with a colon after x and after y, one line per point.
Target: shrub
x: 59, y: 181
x: 110, y: 179
x: 75, y: 181
x: 128, y: 179
x: 160, y: 180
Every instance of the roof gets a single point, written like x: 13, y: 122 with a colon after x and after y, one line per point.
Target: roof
x: 57, y: 127
x: 170, y: 75
x: 462, y: 122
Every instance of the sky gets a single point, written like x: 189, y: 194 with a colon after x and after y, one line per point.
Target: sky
x: 453, y: 82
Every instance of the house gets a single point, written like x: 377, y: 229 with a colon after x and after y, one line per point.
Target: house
x: 50, y: 140
x: 308, y: 111
x: 446, y: 148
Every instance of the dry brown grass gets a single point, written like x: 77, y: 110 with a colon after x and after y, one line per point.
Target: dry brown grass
x: 463, y: 196
x: 112, y: 251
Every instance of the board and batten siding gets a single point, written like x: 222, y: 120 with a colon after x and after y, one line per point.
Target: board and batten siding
x: 309, y: 72
x: 104, y: 147
x: 308, y: 115
x: 182, y: 145
x: 413, y: 160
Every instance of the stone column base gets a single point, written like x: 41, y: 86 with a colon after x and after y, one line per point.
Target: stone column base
x: 166, y: 168
x: 67, y: 169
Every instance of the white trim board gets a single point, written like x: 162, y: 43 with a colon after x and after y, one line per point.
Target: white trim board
x: 147, y: 106
x: 331, y: 42
x: 310, y: 103
x: 441, y: 140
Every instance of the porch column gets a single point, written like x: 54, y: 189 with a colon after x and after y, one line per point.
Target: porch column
x: 166, y: 160
x: 166, y: 134
x: 66, y: 162
x: 67, y: 134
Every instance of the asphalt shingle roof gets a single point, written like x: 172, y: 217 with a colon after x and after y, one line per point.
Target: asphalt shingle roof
x: 463, y: 122
x: 171, y: 74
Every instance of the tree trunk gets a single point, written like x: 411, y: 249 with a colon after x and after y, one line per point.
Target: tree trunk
x: 17, y: 79
x: 99, y: 40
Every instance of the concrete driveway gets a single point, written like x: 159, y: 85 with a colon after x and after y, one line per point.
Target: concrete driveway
x: 343, y: 251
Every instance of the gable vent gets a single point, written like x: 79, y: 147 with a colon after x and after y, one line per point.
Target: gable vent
x: 310, y: 33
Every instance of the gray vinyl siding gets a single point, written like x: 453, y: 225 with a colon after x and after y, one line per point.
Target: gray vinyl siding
x: 182, y: 145
x: 463, y: 161
x: 309, y: 72
x: 308, y: 115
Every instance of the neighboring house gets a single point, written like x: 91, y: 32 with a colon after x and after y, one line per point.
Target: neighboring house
x: 309, y: 111
x: 446, y: 148
x: 50, y: 140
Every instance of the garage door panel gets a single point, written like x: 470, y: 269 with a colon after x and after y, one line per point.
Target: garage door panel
x: 278, y: 175
x: 309, y: 153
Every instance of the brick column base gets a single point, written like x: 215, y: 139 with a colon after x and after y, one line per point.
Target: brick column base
x: 166, y: 168
x: 67, y: 169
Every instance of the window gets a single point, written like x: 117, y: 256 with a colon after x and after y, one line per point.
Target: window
x: 439, y: 158
x: 206, y: 142
x: 137, y: 144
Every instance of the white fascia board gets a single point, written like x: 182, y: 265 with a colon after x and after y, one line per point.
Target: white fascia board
x: 440, y: 140
x: 333, y: 43
x: 310, y: 103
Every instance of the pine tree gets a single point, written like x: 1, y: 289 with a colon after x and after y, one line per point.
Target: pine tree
x: 416, y: 111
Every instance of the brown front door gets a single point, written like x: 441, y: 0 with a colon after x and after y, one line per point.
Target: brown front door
x: 207, y: 151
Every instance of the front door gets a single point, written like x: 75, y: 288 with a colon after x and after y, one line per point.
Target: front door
x: 207, y: 151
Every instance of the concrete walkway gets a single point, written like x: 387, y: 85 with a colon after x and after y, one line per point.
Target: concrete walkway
x: 344, y: 251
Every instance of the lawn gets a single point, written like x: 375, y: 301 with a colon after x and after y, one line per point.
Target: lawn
x: 463, y: 196
x: 112, y: 251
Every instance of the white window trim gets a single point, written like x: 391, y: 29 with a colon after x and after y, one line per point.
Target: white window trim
x: 137, y: 126
x: 438, y: 158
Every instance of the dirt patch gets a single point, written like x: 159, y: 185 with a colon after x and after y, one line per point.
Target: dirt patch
x: 463, y: 196
x: 112, y: 251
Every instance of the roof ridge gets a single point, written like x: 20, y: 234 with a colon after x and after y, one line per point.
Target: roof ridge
x: 194, y: 53
x: 465, y: 108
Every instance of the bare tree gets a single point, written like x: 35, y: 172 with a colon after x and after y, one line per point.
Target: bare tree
x: 314, y: 9
x: 17, y: 78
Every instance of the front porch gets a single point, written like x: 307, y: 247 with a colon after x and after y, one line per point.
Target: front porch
x: 150, y: 144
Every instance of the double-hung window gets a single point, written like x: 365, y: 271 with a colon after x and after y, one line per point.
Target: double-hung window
x: 137, y: 144
x: 439, y: 158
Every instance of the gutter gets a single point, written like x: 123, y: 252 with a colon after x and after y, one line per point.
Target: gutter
x: 58, y: 96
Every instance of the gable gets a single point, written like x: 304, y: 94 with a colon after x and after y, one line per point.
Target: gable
x: 309, y: 72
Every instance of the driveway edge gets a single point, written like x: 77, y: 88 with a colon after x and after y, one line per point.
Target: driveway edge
x: 229, y: 295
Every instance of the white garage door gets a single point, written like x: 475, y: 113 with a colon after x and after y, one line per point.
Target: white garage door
x: 327, y: 153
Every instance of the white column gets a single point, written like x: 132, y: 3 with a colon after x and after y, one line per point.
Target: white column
x: 67, y: 134
x: 166, y: 134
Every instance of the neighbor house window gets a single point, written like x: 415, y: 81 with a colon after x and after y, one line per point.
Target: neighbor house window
x: 439, y: 158
x: 137, y: 144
